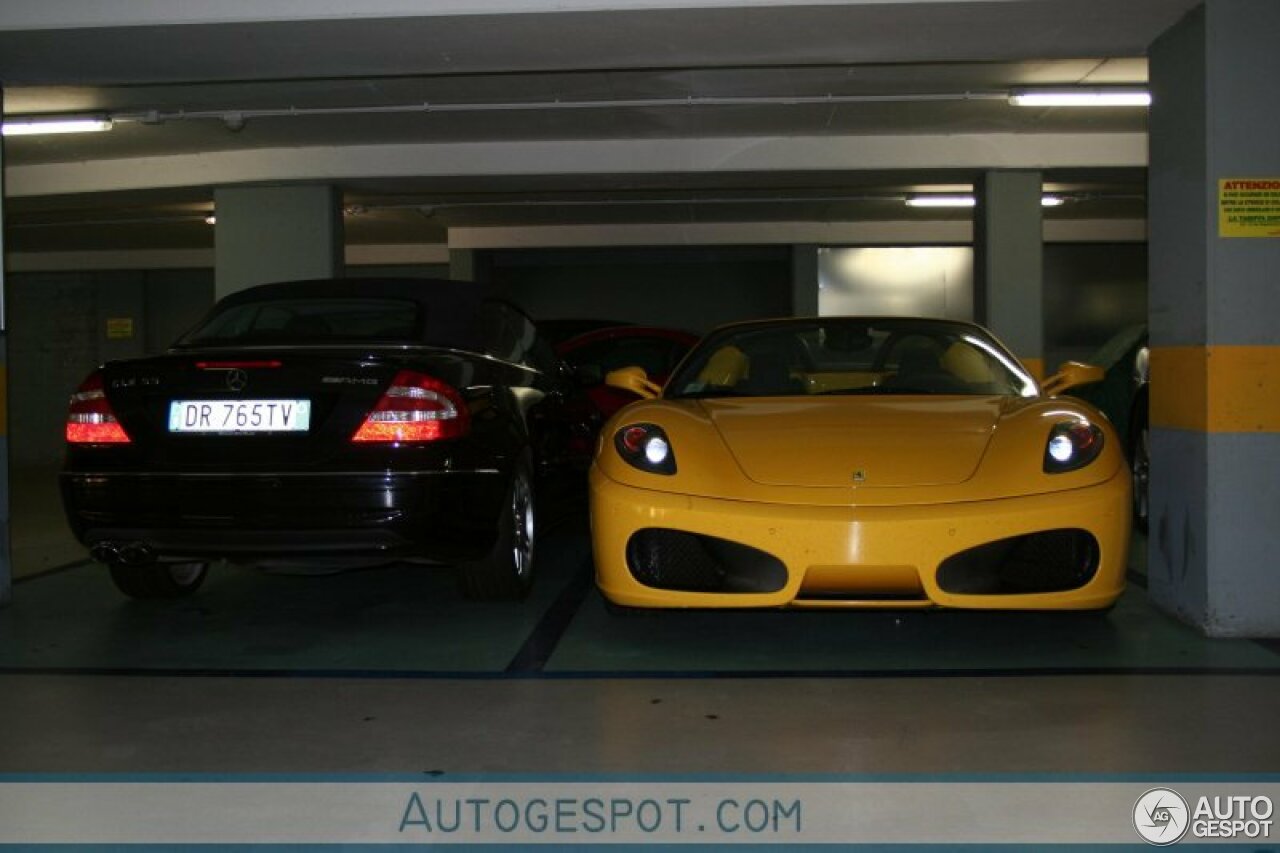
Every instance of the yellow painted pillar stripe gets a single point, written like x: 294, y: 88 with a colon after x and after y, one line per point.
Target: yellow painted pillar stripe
x: 1216, y: 388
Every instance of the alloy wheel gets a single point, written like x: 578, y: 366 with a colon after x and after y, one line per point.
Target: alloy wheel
x: 522, y: 540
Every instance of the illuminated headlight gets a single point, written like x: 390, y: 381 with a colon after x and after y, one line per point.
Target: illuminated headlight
x: 646, y: 447
x: 1061, y: 449
x: 656, y: 450
x: 1072, y: 445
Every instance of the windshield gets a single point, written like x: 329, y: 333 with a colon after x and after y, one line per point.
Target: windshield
x: 309, y: 321
x: 850, y: 356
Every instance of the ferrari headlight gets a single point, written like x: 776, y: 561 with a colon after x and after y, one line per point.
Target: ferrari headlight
x: 1072, y: 445
x: 656, y: 450
x: 646, y: 447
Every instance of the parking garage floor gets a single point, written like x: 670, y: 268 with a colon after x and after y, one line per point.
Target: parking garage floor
x: 390, y: 670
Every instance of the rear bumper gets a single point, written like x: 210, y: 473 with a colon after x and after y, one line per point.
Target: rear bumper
x: 441, y: 515
x: 826, y: 556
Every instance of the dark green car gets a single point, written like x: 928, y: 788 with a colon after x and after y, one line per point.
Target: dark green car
x: 1122, y: 395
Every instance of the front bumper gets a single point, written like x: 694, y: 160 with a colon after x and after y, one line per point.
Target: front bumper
x: 440, y: 515
x: 860, y: 556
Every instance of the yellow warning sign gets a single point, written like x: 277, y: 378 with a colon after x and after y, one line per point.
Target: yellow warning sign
x: 1249, y: 207
x: 119, y: 328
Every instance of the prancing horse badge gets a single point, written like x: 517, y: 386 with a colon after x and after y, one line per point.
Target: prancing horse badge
x: 860, y: 476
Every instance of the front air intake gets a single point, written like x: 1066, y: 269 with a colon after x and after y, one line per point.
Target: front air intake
x: 689, y: 562
x: 1049, y: 561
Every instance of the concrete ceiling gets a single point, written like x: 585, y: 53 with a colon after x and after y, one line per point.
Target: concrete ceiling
x: 443, y: 115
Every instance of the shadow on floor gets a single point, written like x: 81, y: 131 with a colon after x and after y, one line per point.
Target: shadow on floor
x: 409, y: 621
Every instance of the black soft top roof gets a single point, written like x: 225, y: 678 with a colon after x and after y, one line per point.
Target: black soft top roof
x: 450, y: 310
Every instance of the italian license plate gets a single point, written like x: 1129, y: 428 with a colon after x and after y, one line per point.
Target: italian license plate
x: 239, y: 416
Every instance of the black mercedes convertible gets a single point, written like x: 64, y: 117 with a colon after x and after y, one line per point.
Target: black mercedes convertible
x: 347, y: 422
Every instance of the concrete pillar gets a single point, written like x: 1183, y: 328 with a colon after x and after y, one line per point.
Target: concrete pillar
x: 1008, y: 263
x: 462, y: 265
x: 470, y: 265
x: 6, y: 571
x: 1214, y: 305
x: 266, y: 234
x: 804, y: 281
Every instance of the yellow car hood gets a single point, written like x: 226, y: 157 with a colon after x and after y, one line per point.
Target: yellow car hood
x: 842, y: 440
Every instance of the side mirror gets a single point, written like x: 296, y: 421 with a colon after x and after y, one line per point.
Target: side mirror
x: 1142, y: 366
x: 1070, y: 375
x: 633, y: 379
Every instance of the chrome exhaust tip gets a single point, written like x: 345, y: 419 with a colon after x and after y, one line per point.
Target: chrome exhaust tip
x: 136, y: 554
x: 105, y: 552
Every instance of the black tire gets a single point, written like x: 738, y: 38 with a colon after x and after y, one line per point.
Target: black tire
x: 159, y: 580
x: 1140, y: 465
x: 506, y: 573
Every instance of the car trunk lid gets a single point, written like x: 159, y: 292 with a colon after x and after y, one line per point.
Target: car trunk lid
x: 291, y: 410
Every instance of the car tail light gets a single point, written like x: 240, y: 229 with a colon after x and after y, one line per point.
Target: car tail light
x: 416, y: 407
x: 1072, y: 445
x: 90, y: 419
x: 646, y: 447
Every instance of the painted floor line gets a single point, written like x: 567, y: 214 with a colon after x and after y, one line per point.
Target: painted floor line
x: 541, y: 643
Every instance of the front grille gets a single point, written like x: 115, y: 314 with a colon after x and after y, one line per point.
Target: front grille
x: 676, y: 560
x: 1049, y: 561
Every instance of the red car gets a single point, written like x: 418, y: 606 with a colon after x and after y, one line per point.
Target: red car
x: 595, y: 353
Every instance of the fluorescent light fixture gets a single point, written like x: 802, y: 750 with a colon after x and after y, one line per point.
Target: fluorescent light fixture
x: 1081, y: 98
x: 940, y: 200
x: 32, y: 125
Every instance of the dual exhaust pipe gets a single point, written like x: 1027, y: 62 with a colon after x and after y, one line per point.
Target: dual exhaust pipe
x: 126, y: 553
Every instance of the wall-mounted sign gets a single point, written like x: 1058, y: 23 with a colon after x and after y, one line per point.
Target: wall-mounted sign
x: 119, y: 328
x: 1249, y: 207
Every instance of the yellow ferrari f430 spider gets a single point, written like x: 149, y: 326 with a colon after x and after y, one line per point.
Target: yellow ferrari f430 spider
x: 859, y: 462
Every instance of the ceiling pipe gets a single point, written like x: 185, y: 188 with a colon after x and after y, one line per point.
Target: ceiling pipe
x: 428, y: 209
x: 235, y: 118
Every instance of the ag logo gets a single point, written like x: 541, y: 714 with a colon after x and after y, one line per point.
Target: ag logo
x: 1161, y: 816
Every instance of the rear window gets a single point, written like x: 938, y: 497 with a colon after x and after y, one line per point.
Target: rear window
x: 310, y: 321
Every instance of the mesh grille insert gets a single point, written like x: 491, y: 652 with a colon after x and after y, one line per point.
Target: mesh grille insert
x: 676, y: 560
x: 1050, y: 561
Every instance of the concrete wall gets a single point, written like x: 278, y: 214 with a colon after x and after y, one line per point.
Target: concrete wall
x: 1091, y: 290
x: 920, y: 281
x: 687, y: 288
x: 398, y: 271
x: 59, y: 333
